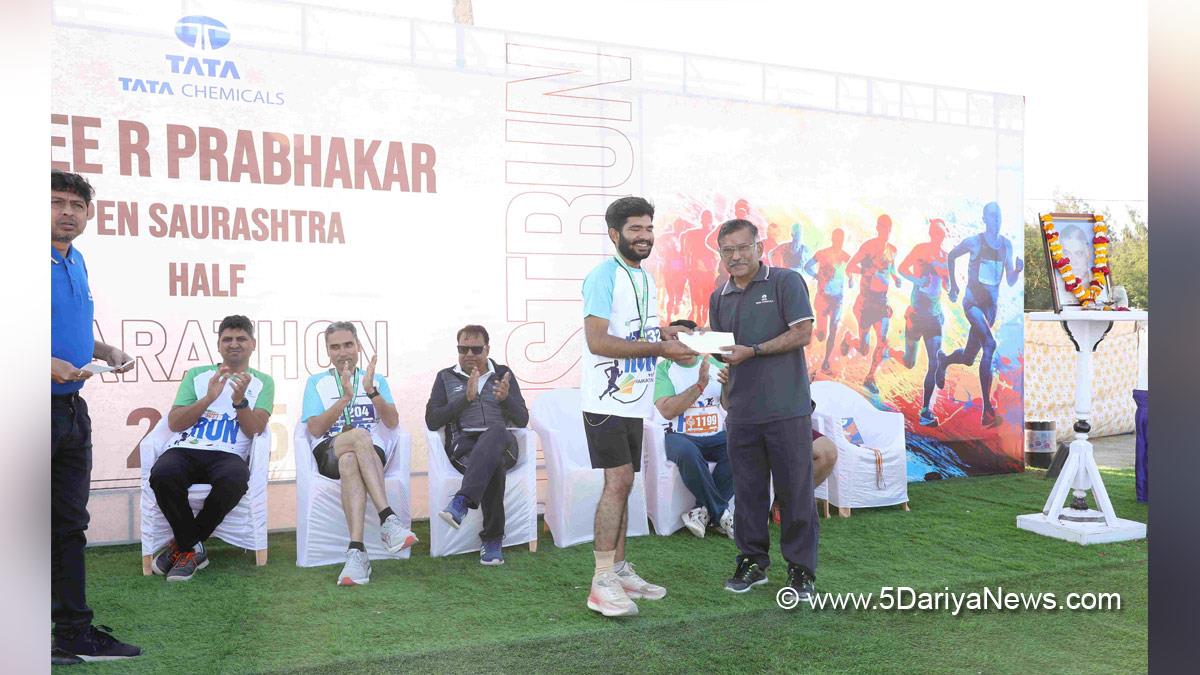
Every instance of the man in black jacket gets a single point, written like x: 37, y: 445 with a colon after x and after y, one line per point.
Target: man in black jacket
x: 475, y: 401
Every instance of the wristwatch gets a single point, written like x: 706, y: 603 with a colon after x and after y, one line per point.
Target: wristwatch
x: 757, y: 350
x: 371, y: 394
x: 241, y: 406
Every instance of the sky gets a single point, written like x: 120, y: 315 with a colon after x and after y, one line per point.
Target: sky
x: 1081, y: 66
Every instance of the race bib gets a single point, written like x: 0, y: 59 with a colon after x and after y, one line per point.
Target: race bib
x: 991, y: 272
x: 703, y: 424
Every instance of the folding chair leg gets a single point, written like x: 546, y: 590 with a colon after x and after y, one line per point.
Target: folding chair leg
x: 147, y: 561
x: 905, y: 505
x: 260, y: 557
x: 825, y: 507
x: 533, y: 546
x: 844, y: 511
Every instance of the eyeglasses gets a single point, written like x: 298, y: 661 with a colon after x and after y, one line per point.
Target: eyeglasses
x: 463, y: 349
x: 743, y: 249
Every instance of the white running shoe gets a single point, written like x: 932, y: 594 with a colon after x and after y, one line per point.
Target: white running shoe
x: 696, y: 520
x: 395, y: 536
x: 636, y: 587
x: 357, y: 570
x: 608, y: 596
x: 726, y: 525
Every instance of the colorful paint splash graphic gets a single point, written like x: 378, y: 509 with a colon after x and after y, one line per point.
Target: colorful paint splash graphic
x: 916, y: 311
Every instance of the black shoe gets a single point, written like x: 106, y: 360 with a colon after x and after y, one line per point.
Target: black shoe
x: 747, y: 576
x: 62, y: 657
x: 95, y: 643
x: 801, y: 580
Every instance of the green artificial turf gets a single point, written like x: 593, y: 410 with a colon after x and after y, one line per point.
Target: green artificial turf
x: 453, y: 615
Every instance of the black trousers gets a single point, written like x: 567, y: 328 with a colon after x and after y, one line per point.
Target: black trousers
x: 177, y: 469
x: 781, y: 450
x: 70, y: 483
x: 484, y: 460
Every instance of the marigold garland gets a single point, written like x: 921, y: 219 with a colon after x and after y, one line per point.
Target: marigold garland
x: 1086, y: 293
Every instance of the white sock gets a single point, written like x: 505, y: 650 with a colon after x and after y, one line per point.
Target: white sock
x: 604, y: 561
x: 199, y: 547
x: 619, y: 566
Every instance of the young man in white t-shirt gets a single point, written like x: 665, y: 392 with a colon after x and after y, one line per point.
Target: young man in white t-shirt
x: 693, y: 403
x: 217, y: 412
x: 343, y: 410
x: 616, y: 389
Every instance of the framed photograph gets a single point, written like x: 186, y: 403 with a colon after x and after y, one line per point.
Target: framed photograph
x: 1075, y: 233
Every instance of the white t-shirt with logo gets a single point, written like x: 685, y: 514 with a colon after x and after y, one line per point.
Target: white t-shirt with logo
x: 705, y: 417
x: 626, y: 296
x: 218, y: 428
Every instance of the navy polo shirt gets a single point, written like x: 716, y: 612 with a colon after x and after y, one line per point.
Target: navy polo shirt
x: 771, y: 387
x: 71, y: 313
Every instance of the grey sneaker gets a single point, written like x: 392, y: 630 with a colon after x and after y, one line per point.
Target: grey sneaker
x: 609, y: 598
x: 357, y: 570
x: 638, y: 588
x: 726, y: 525
x: 395, y: 536
x: 696, y: 521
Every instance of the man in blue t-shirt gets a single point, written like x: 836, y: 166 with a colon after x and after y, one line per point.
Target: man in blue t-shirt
x: 72, y: 347
x: 343, y: 410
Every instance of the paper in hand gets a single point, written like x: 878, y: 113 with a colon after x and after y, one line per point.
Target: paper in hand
x: 96, y: 368
x: 709, y: 342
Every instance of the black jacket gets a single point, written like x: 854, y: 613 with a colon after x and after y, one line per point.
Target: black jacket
x: 448, y: 406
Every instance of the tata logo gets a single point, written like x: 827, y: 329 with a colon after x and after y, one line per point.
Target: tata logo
x: 765, y: 300
x: 202, y: 32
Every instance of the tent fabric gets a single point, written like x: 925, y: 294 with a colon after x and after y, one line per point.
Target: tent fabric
x: 574, y: 487
x: 520, y: 499
x: 244, y: 526
x: 1050, y: 378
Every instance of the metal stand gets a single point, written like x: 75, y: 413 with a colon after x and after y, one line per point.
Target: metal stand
x: 1076, y: 522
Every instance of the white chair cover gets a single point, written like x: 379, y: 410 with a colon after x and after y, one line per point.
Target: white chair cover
x: 520, y: 499
x: 321, y: 530
x: 574, y: 486
x: 861, y: 478
x: 244, y: 526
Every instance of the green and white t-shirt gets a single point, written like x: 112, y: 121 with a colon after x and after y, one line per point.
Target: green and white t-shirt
x: 218, y: 429
x: 705, y: 417
x: 627, y: 298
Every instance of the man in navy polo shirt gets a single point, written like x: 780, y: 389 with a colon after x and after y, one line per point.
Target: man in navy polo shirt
x: 73, y: 346
x: 769, y: 426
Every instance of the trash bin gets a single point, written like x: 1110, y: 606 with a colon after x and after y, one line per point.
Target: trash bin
x: 1141, y: 425
x: 1039, y: 444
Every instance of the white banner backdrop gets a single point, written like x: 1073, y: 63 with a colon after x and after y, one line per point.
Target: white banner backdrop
x: 300, y: 165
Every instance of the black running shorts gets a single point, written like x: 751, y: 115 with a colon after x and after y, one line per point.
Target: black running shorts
x: 613, y: 441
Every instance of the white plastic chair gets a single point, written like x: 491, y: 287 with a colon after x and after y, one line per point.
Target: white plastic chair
x: 244, y: 526
x: 520, y: 499
x: 574, y: 487
x: 321, y: 530
x: 668, y: 498
x: 861, y: 478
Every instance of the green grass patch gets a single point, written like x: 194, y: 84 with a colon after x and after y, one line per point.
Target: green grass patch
x: 454, y: 615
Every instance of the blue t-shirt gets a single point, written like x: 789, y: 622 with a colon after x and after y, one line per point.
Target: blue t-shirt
x: 71, y: 314
x: 324, y: 389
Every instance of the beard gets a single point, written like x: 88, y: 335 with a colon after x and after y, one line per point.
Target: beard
x: 626, y: 248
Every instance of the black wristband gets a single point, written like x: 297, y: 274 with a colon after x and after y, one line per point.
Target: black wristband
x: 757, y: 350
x: 371, y: 394
x: 245, y: 402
